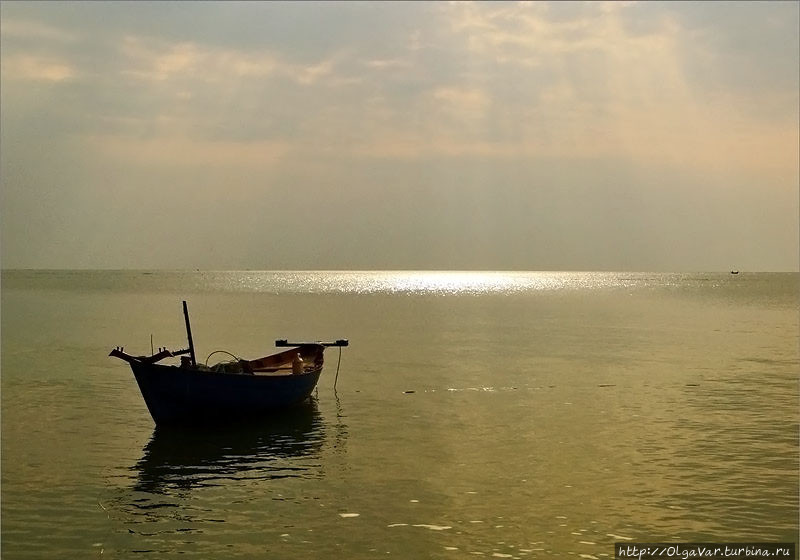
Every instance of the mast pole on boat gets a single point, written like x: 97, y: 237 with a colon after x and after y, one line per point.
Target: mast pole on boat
x: 189, y: 333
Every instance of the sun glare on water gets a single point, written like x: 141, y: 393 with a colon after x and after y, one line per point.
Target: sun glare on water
x: 408, y: 282
x: 449, y: 282
x: 459, y: 282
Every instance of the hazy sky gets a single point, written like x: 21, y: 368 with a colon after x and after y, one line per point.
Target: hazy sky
x: 622, y: 136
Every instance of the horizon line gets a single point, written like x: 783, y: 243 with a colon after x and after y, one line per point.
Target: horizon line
x: 419, y: 270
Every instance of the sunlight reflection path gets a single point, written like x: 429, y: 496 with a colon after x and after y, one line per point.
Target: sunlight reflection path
x: 411, y: 282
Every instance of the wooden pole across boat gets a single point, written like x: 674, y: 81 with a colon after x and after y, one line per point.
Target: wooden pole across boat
x: 189, y: 333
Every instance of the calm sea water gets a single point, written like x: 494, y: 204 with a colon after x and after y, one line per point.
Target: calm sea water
x: 512, y: 415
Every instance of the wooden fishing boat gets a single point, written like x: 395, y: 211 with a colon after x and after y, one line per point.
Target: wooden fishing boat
x: 236, y: 390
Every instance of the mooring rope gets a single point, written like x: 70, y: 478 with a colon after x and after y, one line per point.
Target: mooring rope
x: 337, y: 368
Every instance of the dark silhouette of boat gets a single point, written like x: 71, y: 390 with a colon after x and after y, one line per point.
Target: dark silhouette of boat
x: 734, y: 272
x: 192, y: 393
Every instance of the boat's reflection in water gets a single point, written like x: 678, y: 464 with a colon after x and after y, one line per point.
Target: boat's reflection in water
x: 286, y: 445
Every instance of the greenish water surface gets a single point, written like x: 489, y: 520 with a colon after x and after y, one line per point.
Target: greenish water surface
x: 512, y: 415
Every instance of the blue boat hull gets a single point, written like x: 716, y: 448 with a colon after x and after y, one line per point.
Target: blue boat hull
x: 177, y: 395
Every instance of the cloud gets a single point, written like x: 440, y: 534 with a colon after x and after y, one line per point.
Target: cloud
x: 35, y: 68
x: 595, y: 86
x: 157, y: 61
x: 464, y: 102
x: 31, y: 30
x: 388, y: 64
x: 496, y: 80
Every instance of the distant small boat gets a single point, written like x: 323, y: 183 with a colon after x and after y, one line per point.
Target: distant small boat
x: 236, y: 390
x: 734, y: 272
